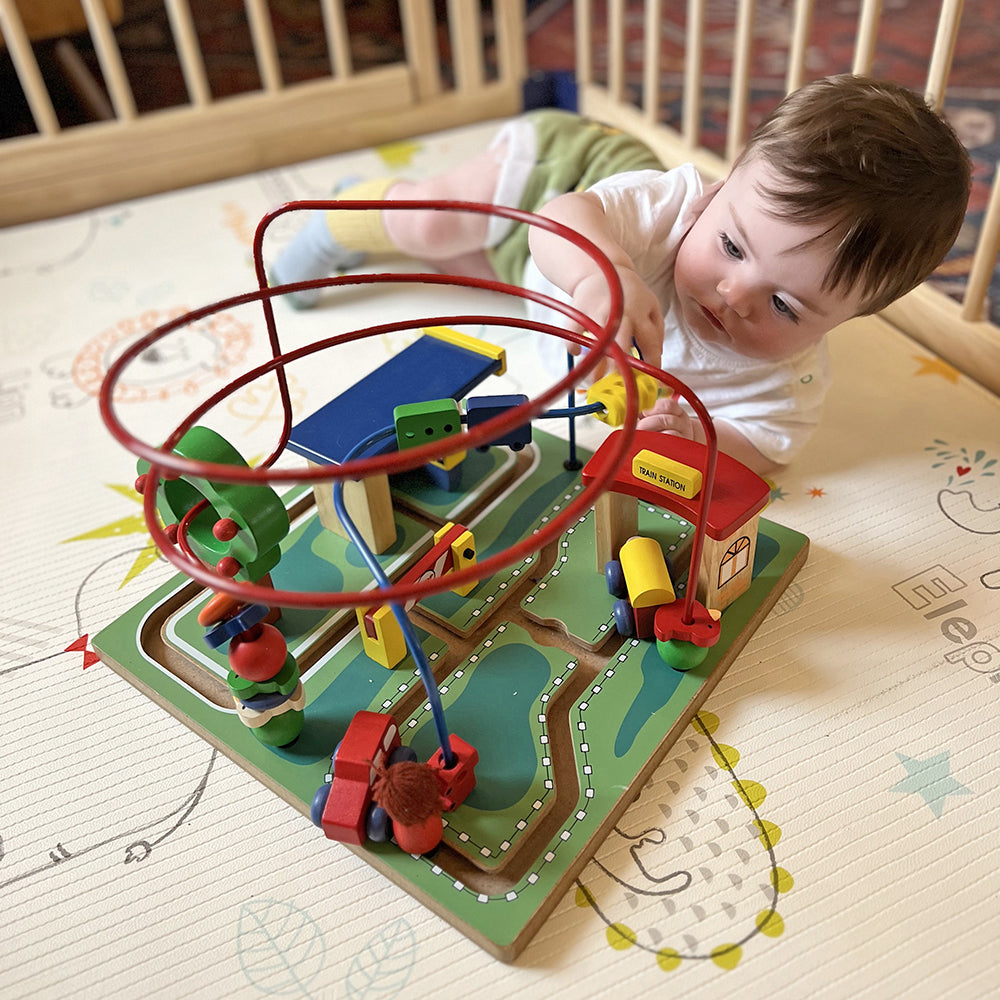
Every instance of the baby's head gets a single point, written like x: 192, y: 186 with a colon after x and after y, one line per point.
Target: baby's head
x: 845, y: 198
x: 883, y: 174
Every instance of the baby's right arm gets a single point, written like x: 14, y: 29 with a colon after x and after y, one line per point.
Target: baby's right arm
x: 576, y: 273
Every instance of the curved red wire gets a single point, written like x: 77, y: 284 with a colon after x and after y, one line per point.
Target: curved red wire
x: 603, y: 344
x: 161, y: 459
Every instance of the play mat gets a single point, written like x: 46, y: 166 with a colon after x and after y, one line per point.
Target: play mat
x: 824, y: 825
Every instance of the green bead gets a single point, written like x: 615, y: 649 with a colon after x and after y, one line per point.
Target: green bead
x: 681, y: 655
x: 281, y: 730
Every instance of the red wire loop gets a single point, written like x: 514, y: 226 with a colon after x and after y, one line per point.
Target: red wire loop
x: 601, y: 344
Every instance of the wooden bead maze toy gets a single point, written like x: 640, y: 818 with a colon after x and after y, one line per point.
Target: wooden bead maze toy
x: 521, y: 722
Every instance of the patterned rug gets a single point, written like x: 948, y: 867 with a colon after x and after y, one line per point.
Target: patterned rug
x: 902, y: 52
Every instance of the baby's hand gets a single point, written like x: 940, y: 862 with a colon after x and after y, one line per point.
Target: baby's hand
x: 642, y: 321
x: 669, y: 416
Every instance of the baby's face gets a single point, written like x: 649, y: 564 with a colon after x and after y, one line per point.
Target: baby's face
x: 744, y: 279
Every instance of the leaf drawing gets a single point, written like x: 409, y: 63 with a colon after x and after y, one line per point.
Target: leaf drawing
x: 280, y: 947
x: 384, y: 964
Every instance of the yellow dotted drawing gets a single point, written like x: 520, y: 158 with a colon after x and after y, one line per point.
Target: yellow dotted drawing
x: 621, y: 937
x: 709, y: 721
x: 770, y: 833
x: 770, y: 922
x: 727, y: 956
x: 751, y: 792
x: 766, y: 923
x: 781, y: 881
x: 725, y: 756
x: 668, y: 959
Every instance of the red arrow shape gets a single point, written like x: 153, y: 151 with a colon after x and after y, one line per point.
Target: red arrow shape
x: 77, y: 645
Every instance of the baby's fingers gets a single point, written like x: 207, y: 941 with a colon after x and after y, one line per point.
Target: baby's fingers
x: 648, y: 339
x: 666, y: 415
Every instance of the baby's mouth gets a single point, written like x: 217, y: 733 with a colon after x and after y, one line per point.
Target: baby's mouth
x: 713, y: 319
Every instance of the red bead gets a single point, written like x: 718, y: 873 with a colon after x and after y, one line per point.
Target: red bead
x: 225, y: 529
x: 140, y: 484
x: 228, y: 566
x: 258, y: 659
x: 171, y: 532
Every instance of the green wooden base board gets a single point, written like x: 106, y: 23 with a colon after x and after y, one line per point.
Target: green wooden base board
x: 568, y: 729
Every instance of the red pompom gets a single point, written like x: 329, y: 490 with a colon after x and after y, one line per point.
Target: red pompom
x: 409, y: 792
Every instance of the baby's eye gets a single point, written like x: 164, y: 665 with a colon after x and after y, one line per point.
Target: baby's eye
x: 730, y: 247
x: 783, y: 308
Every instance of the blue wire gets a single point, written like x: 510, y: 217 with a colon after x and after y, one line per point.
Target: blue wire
x: 566, y: 411
x: 572, y: 411
x: 405, y: 625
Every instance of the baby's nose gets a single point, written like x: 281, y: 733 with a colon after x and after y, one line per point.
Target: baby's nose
x: 736, y: 295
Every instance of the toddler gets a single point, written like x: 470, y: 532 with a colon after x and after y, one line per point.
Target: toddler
x: 846, y: 197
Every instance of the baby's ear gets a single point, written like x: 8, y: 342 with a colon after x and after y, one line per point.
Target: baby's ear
x: 701, y: 202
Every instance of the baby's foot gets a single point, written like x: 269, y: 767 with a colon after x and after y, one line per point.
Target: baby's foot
x: 313, y: 253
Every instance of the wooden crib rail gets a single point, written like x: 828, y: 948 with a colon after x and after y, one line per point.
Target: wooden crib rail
x: 645, y: 101
x: 65, y: 169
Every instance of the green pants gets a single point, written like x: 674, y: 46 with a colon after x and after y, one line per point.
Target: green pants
x: 572, y: 154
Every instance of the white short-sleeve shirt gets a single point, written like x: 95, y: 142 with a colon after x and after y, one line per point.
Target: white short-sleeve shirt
x: 776, y: 405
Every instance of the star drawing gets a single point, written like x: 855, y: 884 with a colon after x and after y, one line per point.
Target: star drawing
x: 930, y: 779
x: 134, y: 524
x: 935, y: 366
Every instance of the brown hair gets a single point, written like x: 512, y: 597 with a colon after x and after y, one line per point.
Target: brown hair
x: 887, y: 172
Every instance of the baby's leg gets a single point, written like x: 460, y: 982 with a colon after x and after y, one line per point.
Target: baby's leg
x: 338, y: 240
x: 445, y: 235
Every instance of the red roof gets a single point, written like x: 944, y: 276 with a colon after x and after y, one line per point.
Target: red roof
x: 738, y: 494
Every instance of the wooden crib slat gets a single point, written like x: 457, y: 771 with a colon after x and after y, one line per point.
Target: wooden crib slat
x: 465, y: 29
x: 958, y: 334
x: 945, y: 40
x: 110, y: 59
x: 88, y: 90
x: 420, y: 41
x: 107, y: 161
x: 652, y: 61
x: 189, y: 52
x: 583, y: 31
x: 799, y: 46
x: 60, y: 171
x: 985, y: 257
x: 616, y: 49
x: 864, y: 45
x: 934, y: 320
x: 337, y: 37
x: 511, y: 55
x: 27, y: 69
x: 264, y: 48
x: 694, y: 49
x: 739, y: 98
